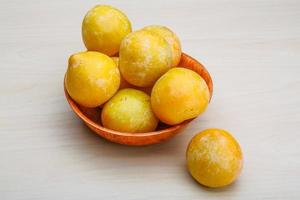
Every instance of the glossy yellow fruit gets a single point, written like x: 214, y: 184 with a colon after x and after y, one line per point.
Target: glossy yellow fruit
x: 129, y: 111
x: 171, y: 38
x: 103, y: 29
x: 123, y: 82
x: 180, y: 94
x: 144, y: 57
x: 92, y: 78
x: 214, y: 158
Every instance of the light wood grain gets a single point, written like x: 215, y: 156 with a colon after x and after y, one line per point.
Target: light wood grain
x: 252, y: 50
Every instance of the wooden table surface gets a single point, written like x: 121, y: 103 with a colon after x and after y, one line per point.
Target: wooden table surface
x: 252, y: 50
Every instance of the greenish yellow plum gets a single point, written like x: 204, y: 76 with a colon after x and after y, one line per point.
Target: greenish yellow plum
x: 129, y: 111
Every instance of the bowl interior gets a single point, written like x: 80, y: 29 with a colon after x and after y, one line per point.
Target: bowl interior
x: 91, y: 116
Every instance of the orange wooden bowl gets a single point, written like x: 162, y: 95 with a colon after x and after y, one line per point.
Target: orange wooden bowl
x: 91, y: 116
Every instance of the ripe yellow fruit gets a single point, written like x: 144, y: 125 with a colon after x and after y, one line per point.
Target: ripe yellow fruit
x: 214, y: 158
x: 180, y: 94
x: 144, y: 57
x: 123, y: 82
x: 129, y: 111
x: 103, y: 29
x: 171, y: 38
x: 92, y: 78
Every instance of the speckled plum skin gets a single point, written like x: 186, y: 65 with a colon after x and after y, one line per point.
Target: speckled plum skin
x: 214, y: 158
x: 129, y: 111
x: 171, y: 38
x: 144, y: 57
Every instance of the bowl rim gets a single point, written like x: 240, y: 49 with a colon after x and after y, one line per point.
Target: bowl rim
x: 97, y: 126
